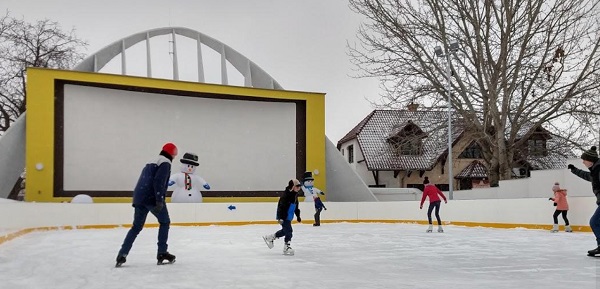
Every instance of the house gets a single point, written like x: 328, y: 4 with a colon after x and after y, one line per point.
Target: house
x: 397, y: 148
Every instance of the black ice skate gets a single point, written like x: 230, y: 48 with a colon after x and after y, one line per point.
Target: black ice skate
x: 162, y: 257
x: 594, y: 252
x: 120, y: 261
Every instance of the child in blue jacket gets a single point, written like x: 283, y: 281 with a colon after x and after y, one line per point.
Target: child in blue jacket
x: 286, y: 208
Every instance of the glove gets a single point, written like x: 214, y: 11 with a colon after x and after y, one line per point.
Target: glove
x: 159, y: 206
x: 550, y: 199
x: 421, y: 207
x: 570, y: 167
x: 280, y: 221
x: 299, y: 219
x: 171, y: 183
x: 322, y: 193
x: 555, y: 204
x: 206, y: 186
x: 445, y: 201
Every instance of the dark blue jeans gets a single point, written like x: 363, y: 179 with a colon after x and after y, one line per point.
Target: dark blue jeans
x: 286, y: 230
x: 435, y: 205
x: 139, y: 219
x: 318, y: 215
x: 595, y: 224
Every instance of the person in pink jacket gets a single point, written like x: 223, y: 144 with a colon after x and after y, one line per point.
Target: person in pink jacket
x: 434, y: 195
x: 562, y: 206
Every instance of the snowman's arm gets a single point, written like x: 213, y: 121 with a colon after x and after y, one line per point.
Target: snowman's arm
x: 203, y: 182
x: 173, y: 179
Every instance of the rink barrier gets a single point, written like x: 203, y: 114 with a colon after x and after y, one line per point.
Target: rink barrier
x: 19, y: 218
x: 13, y: 235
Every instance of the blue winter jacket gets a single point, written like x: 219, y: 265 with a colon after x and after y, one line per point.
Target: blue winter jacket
x: 152, y: 184
x: 288, y: 205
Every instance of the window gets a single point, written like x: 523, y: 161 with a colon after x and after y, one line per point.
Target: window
x: 473, y: 151
x: 537, y: 147
x: 351, y: 153
x: 342, y: 151
x: 406, y: 139
x: 410, y: 147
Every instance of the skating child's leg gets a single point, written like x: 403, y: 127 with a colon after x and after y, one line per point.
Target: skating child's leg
x: 564, y: 216
x: 429, y: 210
x: 437, y: 213
x: 555, y: 216
x: 318, y: 216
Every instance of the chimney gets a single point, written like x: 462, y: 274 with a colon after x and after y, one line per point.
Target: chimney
x: 412, y: 106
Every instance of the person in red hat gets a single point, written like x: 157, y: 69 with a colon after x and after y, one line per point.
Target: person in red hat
x: 149, y: 197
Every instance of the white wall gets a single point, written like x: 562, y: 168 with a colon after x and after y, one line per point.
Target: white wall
x: 343, y: 184
x: 535, y: 211
x: 539, y: 185
x: 222, y: 132
x: 12, y: 156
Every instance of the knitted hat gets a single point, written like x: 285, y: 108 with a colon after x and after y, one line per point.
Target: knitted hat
x: 556, y: 187
x: 590, y: 155
x: 293, y: 183
x: 170, y: 148
x: 426, y: 180
x: 190, y: 159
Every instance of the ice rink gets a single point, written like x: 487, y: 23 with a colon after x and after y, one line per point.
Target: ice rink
x: 343, y: 255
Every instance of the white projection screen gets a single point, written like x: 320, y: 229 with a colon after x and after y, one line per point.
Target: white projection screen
x: 109, y: 134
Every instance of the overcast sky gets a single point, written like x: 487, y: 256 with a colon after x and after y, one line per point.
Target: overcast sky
x: 301, y: 44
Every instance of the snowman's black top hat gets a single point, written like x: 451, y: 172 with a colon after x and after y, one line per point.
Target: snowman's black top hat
x: 190, y: 159
x: 307, y: 176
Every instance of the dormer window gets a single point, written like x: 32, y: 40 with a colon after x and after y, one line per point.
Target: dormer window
x: 411, y: 147
x: 407, y: 139
x: 537, y: 147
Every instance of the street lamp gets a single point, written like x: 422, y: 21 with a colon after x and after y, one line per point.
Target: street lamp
x: 439, y: 52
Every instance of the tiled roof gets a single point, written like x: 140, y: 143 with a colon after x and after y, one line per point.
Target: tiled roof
x: 526, y: 126
x: 556, y: 158
x: 474, y: 170
x: 373, y: 131
x: 354, y: 132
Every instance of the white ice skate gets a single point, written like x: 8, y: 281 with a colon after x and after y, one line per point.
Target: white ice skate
x: 287, y: 250
x: 269, y: 240
x: 554, y: 228
x: 429, y: 229
x: 568, y: 229
x: 440, y: 229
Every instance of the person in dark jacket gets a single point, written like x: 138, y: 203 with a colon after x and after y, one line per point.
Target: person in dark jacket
x: 590, y: 160
x: 149, y: 197
x: 286, y: 208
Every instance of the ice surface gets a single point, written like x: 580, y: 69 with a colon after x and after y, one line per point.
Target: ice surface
x: 340, y: 255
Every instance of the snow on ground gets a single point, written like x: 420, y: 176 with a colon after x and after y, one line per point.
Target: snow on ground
x: 340, y: 255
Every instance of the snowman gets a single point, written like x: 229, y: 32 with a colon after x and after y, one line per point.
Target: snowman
x: 187, y: 185
x: 312, y: 194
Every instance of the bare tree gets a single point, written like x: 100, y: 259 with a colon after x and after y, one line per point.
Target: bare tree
x: 520, y: 65
x: 22, y: 45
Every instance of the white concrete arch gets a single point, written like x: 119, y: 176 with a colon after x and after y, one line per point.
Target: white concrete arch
x: 254, y: 76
